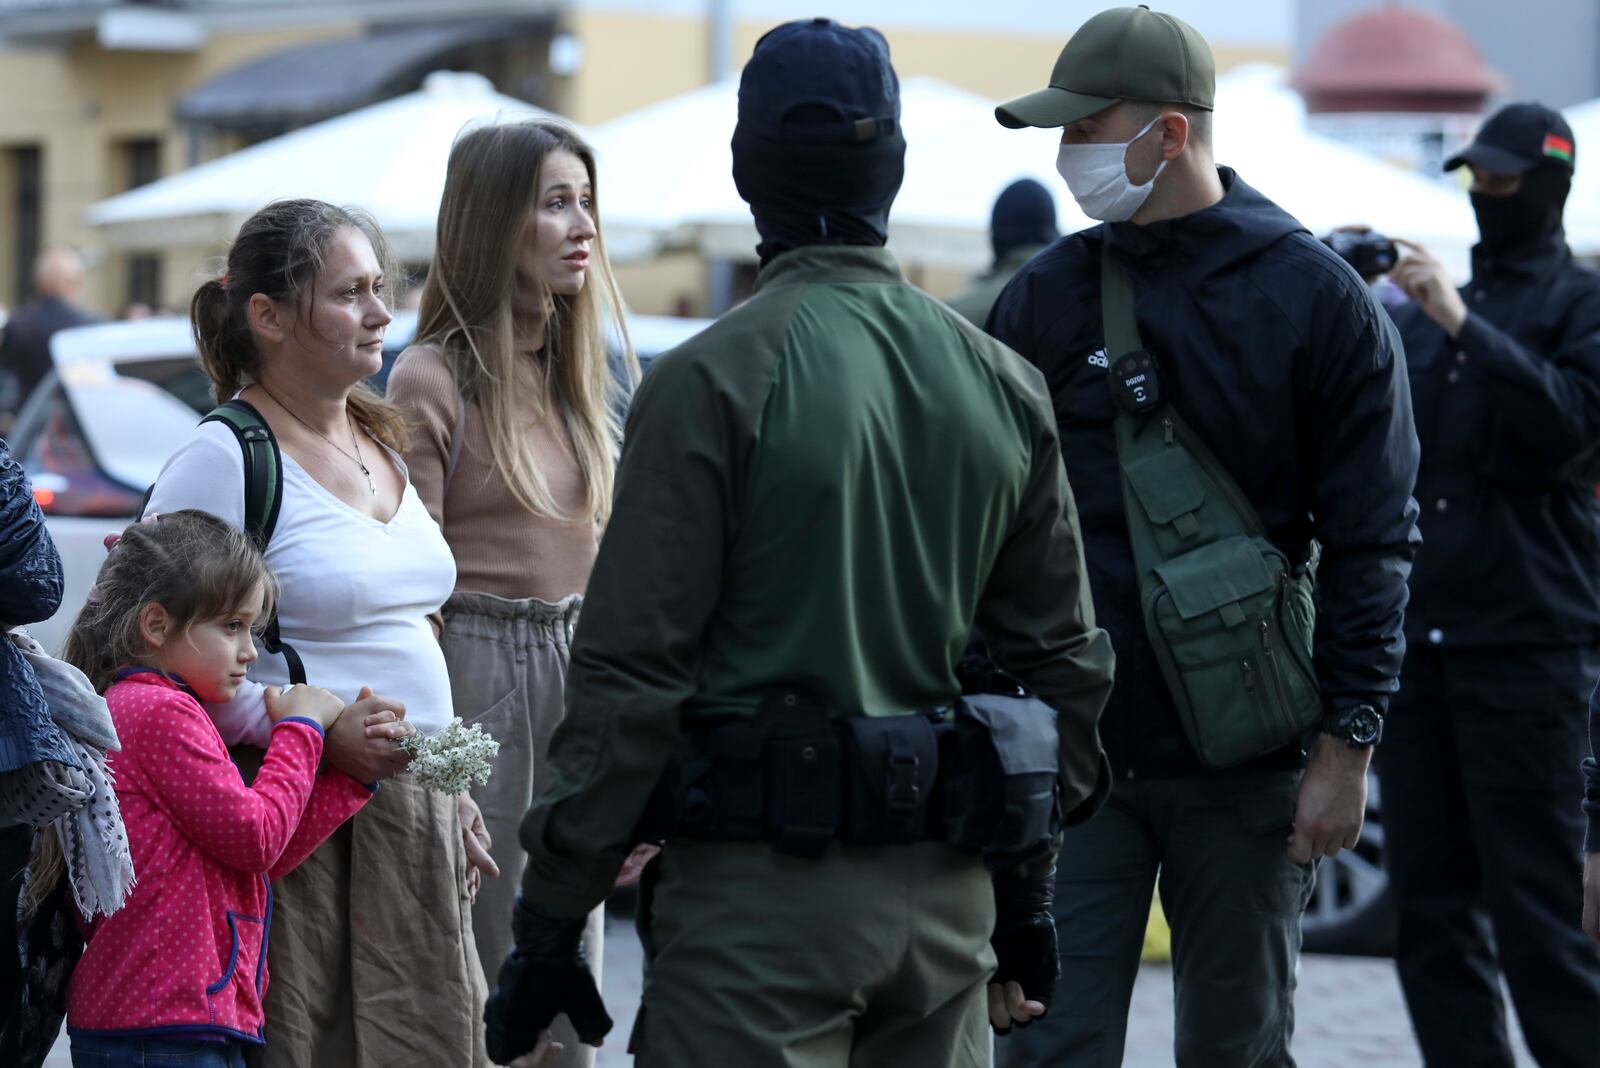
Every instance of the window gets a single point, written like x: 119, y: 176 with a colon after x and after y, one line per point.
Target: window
x: 141, y: 164
x: 26, y: 165
x: 144, y: 280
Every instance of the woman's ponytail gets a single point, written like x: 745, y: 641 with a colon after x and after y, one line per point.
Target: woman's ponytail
x: 227, y: 353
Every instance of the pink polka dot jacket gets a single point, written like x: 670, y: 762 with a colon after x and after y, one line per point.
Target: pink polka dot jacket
x: 187, y: 954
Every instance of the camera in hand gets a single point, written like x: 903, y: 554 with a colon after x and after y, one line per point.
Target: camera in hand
x: 1369, y: 252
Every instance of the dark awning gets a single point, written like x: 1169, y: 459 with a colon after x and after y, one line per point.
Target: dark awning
x: 309, y: 82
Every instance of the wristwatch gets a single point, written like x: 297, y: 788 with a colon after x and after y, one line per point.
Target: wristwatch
x: 1358, y: 726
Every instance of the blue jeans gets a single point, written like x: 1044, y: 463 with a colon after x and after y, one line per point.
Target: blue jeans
x: 117, y: 1051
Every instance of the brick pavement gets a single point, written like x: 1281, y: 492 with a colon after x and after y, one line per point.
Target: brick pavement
x: 1350, y: 1013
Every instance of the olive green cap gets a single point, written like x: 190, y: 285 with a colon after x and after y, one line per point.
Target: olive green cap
x: 1126, y: 53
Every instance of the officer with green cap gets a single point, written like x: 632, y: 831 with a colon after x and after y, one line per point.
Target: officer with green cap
x: 1236, y: 423
x: 817, y: 499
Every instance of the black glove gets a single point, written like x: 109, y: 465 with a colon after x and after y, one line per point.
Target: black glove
x: 546, y: 975
x: 1024, y: 937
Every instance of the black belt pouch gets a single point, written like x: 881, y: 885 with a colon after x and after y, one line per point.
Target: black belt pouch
x: 893, y: 763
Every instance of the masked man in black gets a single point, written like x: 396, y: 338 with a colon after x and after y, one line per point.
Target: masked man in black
x: 1480, y: 761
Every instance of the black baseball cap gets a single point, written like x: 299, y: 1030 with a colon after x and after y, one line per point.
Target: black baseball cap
x: 817, y: 80
x: 1517, y: 137
x: 1126, y: 53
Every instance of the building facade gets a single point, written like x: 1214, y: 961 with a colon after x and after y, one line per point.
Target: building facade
x: 1548, y: 50
x: 104, y: 96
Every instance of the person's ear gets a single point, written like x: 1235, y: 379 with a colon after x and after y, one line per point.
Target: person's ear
x: 155, y: 625
x: 267, y: 319
x: 1174, y: 135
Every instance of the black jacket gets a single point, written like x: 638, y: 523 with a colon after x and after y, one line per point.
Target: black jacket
x: 1275, y: 353
x: 25, y: 348
x: 1591, y: 768
x: 30, y: 590
x: 1509, y: 418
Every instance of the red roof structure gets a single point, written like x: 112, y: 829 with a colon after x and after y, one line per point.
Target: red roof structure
x: 1393, y: 59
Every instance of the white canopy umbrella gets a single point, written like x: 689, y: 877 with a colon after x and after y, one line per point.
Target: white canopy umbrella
x: 1261, y: 133
x: 388, y: 158
x: 667, y: 170
x: 1582, y: 219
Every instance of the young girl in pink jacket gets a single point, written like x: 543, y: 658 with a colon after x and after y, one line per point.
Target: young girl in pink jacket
x: 178, y: 973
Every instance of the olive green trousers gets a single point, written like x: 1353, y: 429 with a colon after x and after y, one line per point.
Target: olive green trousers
x: 863, y: 958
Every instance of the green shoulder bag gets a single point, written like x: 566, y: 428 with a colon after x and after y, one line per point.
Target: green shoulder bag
x: 1230, y: 618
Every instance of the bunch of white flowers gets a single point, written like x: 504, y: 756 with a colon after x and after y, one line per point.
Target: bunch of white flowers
x: 451, y: 760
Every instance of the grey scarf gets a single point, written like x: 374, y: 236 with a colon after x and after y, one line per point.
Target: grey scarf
x: 80, y: 803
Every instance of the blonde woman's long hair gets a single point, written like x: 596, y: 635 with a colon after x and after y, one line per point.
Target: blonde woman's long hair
x: 468, y: 312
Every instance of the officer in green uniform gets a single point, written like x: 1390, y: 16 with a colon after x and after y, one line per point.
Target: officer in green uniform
x: 818, y: 498
x: 1021, y: 225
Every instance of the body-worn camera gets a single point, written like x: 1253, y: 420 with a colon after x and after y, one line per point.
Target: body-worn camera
x: 1135, y: 381
x: 1369, y: 252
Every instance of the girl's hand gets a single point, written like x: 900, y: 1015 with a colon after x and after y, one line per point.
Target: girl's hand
x: 384, y: 723
x: 476, y: 837
x: 362, y: 757
x: 303, y: 700
x: 542, y: 1055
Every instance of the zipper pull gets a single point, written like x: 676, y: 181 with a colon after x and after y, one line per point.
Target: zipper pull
x: 1166, y: 429
x: 1249, y: 676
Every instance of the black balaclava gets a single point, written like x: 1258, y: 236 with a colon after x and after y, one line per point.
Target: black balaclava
x: 818, y: 153
x: 1527, y: 218
x: 1024, y: 216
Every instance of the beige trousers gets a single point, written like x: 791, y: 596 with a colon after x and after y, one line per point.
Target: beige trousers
x: 508, y: 673
x: 371, y: 960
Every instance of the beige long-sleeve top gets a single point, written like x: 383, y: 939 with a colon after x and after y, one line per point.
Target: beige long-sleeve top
x: 501, y: 547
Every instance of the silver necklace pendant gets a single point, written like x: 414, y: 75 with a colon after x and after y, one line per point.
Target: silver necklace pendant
x: 371, y: 485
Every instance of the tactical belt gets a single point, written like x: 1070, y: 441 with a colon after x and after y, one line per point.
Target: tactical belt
x: 982, y: 777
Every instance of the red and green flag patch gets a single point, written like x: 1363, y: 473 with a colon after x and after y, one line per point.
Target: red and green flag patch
x: 1558, y: 146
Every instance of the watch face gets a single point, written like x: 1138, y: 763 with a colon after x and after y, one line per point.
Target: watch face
x: 1364, y: 726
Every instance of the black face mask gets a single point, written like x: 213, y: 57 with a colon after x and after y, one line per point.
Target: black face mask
x: 818, y: 193
x: 1527, y: 217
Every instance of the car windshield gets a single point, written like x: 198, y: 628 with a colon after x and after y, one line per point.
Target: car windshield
x: 180, y: 376
x: 132, y: 426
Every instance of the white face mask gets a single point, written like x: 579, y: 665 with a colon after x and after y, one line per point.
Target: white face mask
x: 1098, y: 178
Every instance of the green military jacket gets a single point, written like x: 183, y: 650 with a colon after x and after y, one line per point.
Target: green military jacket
x: 824, y: 489
x: 974, y: 302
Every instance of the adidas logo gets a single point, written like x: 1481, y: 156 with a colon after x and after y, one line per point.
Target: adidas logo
x: 1098, y: 358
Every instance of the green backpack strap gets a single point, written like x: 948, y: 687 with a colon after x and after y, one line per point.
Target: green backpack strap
x: 263, y: 467
x: 263, y: 499
x: 1116, y: 309
x: 1143, y: 436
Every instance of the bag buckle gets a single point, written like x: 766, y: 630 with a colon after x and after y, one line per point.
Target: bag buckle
x: 902, y: 792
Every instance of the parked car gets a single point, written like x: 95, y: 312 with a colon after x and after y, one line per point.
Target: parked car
x: 121, y: 398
